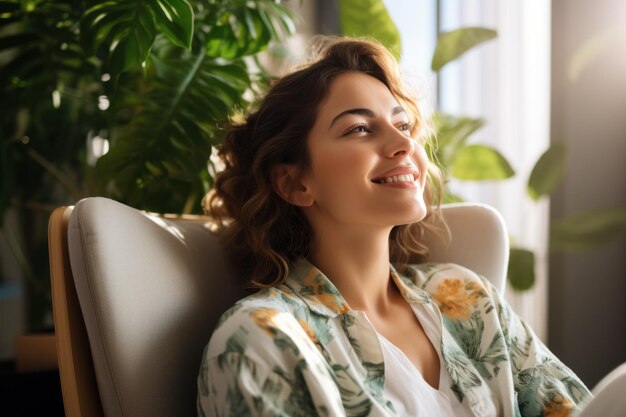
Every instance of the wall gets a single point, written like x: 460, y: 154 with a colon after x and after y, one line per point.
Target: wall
x: 587, y: 308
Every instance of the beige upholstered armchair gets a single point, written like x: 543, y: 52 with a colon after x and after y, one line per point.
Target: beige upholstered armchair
x: 136, y: 296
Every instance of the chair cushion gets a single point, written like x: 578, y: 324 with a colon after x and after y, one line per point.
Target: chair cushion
x: 151, y: 290
x: 479, y: 241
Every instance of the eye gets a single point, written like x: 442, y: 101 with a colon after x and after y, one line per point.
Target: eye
x: 358, y: 128
x: 404, y: 127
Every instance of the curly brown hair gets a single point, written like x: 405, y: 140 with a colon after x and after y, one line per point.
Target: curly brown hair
x: 262, y: 233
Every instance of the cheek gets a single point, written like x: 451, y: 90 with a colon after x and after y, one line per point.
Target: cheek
x: 340, y: 164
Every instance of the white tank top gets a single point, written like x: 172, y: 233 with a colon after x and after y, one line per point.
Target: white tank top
x: 405, y: 387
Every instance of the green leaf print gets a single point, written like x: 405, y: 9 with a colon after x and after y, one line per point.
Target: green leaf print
x: 238, y: 341
x: 461, y: 372
x: 355, y: 401
x: 519, y: 351
x: 347, y: 322
x: 469, y: 333
x: 236, y: 403
x: 272, y: 387
x: 494, y: 354
x: 375, y: 377
x: 527, y: 384
x: 300, y: 403
x: 284, y: 342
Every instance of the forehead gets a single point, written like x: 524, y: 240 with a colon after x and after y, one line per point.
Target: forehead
x: 356, y: 90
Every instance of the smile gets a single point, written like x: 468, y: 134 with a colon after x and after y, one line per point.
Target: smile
x: 396, y: 179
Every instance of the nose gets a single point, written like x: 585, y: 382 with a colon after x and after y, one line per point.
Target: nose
x: 398, y: 144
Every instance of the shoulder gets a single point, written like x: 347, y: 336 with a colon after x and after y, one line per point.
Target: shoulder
x: 431, y: 275
x: 458, y: 291
x: 254, y: 323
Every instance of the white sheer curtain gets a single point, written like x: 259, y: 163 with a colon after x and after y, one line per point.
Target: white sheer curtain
x: 506, y: 82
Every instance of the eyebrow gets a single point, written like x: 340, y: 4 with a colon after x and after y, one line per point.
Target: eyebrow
x: 364, y: 112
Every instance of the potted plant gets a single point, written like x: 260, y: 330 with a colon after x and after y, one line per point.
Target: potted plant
x: 123, y: 98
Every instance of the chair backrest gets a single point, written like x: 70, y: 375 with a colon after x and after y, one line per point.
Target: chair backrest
x: 144, y: 293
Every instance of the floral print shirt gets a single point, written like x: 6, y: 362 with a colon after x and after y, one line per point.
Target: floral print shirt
x: 299, y: 350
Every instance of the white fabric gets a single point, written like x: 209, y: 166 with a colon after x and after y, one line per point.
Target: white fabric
x: 405, y: 387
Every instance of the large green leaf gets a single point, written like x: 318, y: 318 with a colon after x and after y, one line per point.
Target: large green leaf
x: 167, y: 144
x: 479, y: 162
x: 452, y: 134
x: 41, y: 50
x: 547, y: 172
x: 588, y: 230
x: 122, y: 30
x: 370, y: 18
x: 521, y: 271
x: 452, y: 45
x: 240, y: 28
x: 175, y: 19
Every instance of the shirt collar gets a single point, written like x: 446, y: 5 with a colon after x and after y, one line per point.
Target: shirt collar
x: 316, y: 289
x: 322, y: 297
x: 409, y: 290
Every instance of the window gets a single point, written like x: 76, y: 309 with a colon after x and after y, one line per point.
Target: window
x: 506, y: 82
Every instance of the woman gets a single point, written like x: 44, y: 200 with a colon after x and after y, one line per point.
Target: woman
x: 326, y: 192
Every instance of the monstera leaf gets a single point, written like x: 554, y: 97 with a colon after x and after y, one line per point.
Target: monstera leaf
x: 167, y: 144
x: 41, y: 51
x: 140, y: 74
x: 241, y: 28
x: 124, y: 31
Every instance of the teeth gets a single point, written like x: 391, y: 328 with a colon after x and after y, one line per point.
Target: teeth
x: 397, y: 178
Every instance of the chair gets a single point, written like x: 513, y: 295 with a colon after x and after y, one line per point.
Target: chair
x: 136, y: 296
x: 608, y: 399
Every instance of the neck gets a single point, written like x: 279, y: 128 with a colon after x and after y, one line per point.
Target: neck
x: 358, y: 265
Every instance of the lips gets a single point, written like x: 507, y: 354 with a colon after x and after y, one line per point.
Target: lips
x: 398, y: 174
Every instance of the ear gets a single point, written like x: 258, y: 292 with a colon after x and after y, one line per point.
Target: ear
x: 286, y: 180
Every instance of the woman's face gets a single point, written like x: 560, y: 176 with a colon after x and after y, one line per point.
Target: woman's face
x: 365, y: 169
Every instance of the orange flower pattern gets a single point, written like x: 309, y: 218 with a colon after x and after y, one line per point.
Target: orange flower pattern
x: 457, y: 298
x: 263, y: 318
x: 309, y: 332
x: 558, y: 407
x: 316, y: 284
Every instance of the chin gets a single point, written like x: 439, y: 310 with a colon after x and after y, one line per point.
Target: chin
x: 415, y: 217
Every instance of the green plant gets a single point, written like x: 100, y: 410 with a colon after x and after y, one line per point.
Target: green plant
x: 152, y: 80
x: 459, y: 158
x: 465, y: 161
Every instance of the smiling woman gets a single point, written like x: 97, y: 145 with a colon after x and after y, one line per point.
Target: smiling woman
x: 324, y: 199
x: 364, y: 167
x: 267, y: 154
